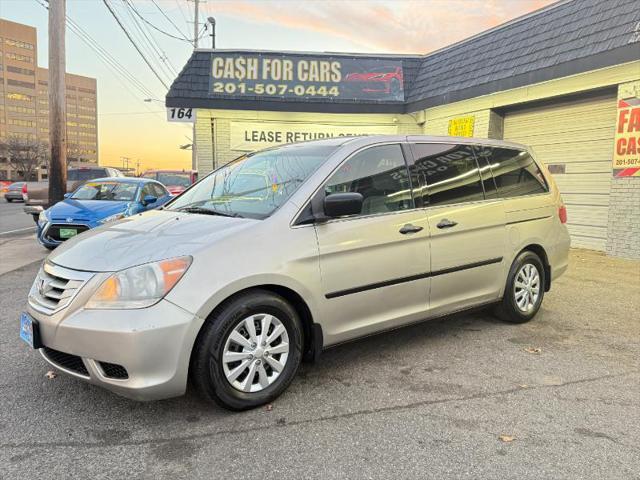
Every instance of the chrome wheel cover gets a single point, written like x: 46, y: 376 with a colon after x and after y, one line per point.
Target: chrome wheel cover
x: 526, y: 288
x: 255, y: 352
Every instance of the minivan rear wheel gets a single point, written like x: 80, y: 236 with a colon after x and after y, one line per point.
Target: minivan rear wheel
x: 524, y: 289
x: 249, y: 352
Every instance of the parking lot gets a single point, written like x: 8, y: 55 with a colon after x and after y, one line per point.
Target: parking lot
x: 463, y: 397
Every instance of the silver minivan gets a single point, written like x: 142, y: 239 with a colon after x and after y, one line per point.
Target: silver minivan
x: 287, y: 251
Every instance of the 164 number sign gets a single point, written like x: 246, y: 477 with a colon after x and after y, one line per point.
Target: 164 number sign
x: 175, y: 114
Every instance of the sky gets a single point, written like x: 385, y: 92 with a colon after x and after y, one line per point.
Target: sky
x: 129, y: 126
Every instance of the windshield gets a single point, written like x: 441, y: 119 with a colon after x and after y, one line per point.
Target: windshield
x: 255, y: 185
x: 172, y: 179
x: 117, y: 192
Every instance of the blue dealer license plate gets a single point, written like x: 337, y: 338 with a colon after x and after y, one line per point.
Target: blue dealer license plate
x: 29, y: 330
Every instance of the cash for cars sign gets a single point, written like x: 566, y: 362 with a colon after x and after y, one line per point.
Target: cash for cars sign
x: 306, y: 77
x: 250, y: 136
x: 626, y: 155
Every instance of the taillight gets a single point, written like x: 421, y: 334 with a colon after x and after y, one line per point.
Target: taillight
x: 562, y: 213
x: 24, y: 188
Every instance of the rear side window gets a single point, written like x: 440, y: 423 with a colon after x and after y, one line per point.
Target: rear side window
x: 449, y: 174
x: 514, y: 171
x: 378, y: 173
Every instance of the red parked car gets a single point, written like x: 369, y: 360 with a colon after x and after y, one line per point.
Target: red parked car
x: 176, y: 181
x: 381, y: 80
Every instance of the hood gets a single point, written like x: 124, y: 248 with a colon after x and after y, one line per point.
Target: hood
x: 86, y: 209
x: 151, y: 236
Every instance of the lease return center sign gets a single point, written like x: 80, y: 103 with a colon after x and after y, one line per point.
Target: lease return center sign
x: 626, y: 155
x: 251, y: 136
x: 235, y: 74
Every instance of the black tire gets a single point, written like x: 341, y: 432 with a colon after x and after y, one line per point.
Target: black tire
x: 8, y: 200
x: 207, y: 372
x: 48, y: 247
x: 507, y: 310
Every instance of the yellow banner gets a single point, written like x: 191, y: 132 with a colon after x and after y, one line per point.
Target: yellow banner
x: 461, y: 126
x: 251, y: 136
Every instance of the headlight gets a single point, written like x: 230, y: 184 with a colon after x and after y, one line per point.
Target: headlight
x: 42, y: 218
x: 112, y: 218
x: 141, y: 286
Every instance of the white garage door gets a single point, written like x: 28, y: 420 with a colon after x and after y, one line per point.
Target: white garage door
x: 575, y: 138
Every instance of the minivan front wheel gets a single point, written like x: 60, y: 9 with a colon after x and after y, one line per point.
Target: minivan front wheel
x: 249, y: 352
x: 524, y: 289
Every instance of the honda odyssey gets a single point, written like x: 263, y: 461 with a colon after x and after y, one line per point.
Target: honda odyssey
x: 287, y: 251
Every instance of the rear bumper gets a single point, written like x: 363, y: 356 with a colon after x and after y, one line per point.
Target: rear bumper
x: 153, y: 345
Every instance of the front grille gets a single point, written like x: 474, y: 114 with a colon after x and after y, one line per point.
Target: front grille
x: 113, y: 370
x: 55, y: 287
x: 53, y: 232
x: 66, y: 361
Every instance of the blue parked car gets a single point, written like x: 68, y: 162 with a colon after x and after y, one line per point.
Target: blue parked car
x: 97, y: 202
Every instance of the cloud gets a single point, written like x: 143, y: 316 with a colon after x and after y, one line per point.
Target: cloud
x: 408, y: 26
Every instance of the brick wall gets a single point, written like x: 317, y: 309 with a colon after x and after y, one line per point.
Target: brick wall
x: 623, y: 229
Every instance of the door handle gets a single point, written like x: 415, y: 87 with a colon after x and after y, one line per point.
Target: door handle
x: 446, y: 223
x: 408, y: 228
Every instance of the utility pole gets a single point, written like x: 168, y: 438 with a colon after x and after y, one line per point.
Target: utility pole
x: 194, y: 149
x: 195, y: 23
x: 57, y: 102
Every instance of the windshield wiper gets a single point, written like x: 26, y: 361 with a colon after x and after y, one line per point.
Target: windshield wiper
x: 208, y: 211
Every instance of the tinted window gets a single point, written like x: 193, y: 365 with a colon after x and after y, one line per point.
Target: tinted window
x: 174, y: 179
x: 514, y: 171
x: 86, y: 174
x: 380, y: 175
x: 449, y: 174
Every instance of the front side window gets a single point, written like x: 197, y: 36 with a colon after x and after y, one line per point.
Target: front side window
x: 515, y: 172
x: 158, y: 190
x: 449, y: 174
x: 380, y: 175
x: 254, y: 185
x: 117, y: 192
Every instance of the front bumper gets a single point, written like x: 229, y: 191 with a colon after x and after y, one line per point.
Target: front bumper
x: 153, y: 345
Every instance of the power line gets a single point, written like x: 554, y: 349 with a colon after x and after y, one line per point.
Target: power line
x: 134, y: 44
x: 169, y: 18
x: 152, y: 47
x: 110, y: 62
x: 135, y: 10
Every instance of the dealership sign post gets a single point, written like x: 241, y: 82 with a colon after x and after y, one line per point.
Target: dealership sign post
x: 626, y: 155
x: 306, y: 77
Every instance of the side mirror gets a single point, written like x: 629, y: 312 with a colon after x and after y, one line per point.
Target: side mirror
x: 149, y: 199
x: 343, y: 204
x: 67, y: 195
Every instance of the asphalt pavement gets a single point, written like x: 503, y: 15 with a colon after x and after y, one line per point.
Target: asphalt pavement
x: 13, y: 220
x: 428, y: 401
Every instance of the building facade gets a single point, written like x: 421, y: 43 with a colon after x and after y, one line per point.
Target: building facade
x: 24, y: 100
x: 564, y: 80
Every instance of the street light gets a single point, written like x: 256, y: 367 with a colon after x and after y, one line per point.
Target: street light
x: 212, y: 21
